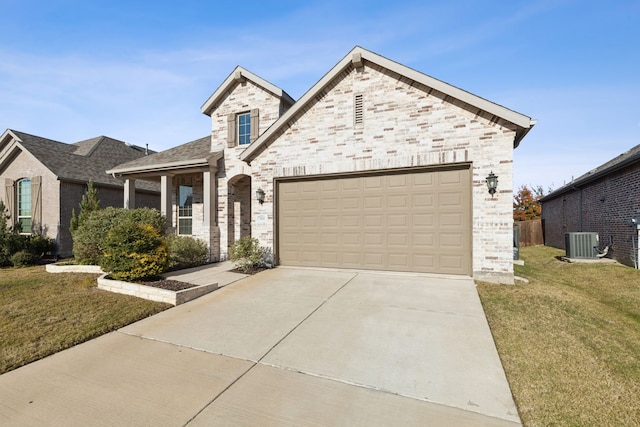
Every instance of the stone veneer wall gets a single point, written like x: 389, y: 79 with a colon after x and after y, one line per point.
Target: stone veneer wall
x: 405, y: 125
x: 241, y: 97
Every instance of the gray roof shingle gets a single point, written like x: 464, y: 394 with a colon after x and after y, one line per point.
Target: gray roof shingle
x: 629, y: 157
x: 195, y: 150
x: 85, y: 160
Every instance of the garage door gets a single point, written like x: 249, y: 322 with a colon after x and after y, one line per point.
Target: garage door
x: 409, y: 221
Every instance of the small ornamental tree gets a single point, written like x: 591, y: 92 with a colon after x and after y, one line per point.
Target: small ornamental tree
x: 88, y: 204
x: 89, y: 240
x: 134, y: 251
x: 526, y: 204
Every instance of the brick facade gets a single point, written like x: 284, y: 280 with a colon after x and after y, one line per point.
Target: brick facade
x: 404, y: 125
x: 234, y: 192
x: 406, y: 120
x: 604, y: 206
x: 59, y: 198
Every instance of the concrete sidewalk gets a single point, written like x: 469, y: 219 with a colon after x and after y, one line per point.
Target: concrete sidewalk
x: 284, y: 347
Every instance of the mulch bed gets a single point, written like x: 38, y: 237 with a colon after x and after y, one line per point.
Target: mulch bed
x: 171, y: 285
x: 250, y: 271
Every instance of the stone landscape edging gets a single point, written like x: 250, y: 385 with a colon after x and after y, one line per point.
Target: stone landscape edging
x: 152, y: 293
x: 73, y: 268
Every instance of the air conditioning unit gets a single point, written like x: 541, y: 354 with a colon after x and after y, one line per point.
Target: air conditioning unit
x: 581, y: 245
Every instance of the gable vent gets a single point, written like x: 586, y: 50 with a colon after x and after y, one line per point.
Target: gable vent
x: 357, y: 110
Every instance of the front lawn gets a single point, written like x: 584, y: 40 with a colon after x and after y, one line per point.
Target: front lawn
x: 42, y: 313
x: 569, y: 340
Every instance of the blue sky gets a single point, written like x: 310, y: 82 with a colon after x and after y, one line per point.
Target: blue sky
x: 139, y: 71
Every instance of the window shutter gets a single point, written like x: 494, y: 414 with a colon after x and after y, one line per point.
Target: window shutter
x: 231, y: 130
x: 36, y: 203
x: 9, y: 198
x: 255, y: 124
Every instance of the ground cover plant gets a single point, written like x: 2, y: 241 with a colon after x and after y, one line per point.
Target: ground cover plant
x: 569, y: 340
x: 43, y: 313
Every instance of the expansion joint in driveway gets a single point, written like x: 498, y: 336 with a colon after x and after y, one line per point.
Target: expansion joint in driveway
x: 253, y: 365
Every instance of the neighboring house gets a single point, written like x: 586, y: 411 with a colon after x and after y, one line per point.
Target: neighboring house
x: 604, y: 201
x: 44, y: 180
x: 377, y: 166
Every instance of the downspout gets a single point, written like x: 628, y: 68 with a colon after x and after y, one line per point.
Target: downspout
x: 580, y: 207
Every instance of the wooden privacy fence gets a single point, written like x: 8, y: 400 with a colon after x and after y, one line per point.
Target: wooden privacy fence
x: 530, y: 232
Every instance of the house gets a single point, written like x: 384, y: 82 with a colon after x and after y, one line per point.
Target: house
x: 377, y: 166
x: 44, y: 181
x: 604, y: 200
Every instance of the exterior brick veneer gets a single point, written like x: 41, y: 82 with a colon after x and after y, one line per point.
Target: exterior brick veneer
x: 405, y: 125
x: 604, y: 206
x: 407, y: 120
x: 59, y: 198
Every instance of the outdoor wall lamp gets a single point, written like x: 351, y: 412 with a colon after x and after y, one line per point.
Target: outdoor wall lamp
x: 492, y: 183
x: 260, y: 195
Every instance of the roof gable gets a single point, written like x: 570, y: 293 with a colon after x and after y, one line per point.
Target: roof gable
x: 357, y: 58
x: 240, y: 75
x: 83, y: 161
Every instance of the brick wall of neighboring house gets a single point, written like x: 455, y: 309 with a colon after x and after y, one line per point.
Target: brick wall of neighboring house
x: 405, y: 125
x: 24, y: 166
x: 71, y: 195
x: 242, y: 97
x: 145, y: 199
x: 605, y: 206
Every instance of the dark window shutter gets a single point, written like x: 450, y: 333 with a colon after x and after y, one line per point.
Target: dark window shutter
x: 36, y: 203
x: 231, y: 130
x: 9, y: 199
x: 255, y: 124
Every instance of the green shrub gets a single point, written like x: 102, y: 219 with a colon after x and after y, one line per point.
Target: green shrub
x: 247, y: 254
x: 89, y: 203
x: 22, y: 258
x: 39, y: 246
x: 185, y: 252
x: 90, y: 237
x: 134, y: 251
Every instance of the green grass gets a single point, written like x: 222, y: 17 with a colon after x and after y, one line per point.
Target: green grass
x: 42, y: 313
x: 569, y: 340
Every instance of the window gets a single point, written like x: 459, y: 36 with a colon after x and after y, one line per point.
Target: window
x: 185, y: 209
x: 244, y: 129
x: 24, y: 204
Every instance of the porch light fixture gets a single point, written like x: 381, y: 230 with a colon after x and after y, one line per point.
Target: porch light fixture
x: 492, y: 183
x: 260, y: 195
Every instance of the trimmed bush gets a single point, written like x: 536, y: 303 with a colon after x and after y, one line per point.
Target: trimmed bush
x: 90, y: 237
x: 134, y: 251
x: 247, y: 255
x: 40, y: 246
x: 22, y: 258
x: 20, y: 249
x: 185, y: 252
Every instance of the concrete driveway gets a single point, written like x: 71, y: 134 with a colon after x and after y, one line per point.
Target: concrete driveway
x: 286, y: 347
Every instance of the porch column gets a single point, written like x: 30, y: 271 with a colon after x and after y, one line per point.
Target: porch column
x: 210, y: 210
x: 130, y: 193
x: 166, y: 208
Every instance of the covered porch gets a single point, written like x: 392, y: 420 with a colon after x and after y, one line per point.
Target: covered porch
x: 188, y: 177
